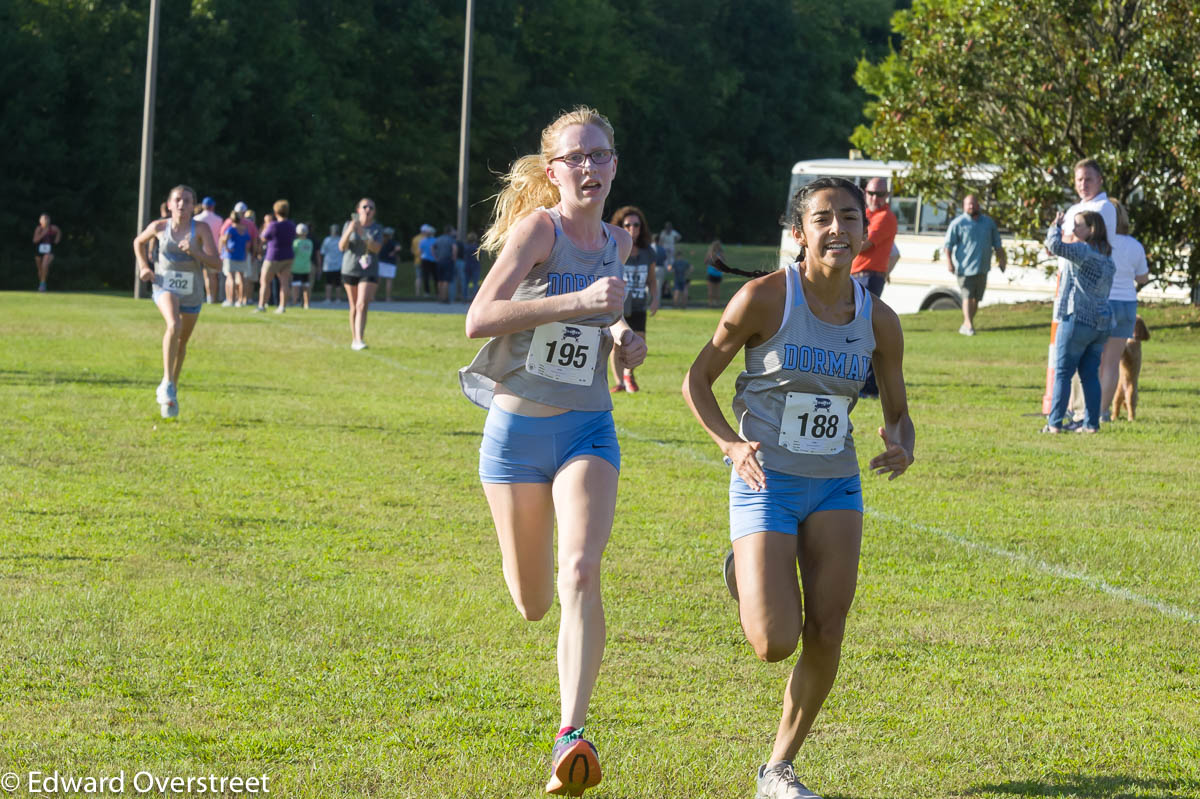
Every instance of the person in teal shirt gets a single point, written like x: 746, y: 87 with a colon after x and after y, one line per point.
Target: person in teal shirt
x: 970, y: 240
x: 302, y: 265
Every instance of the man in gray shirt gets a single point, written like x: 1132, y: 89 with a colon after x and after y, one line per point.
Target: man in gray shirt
x: 970, y: 241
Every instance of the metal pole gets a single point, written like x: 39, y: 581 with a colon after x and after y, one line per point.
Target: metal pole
x: 147, y: 134
x: 464, y: 135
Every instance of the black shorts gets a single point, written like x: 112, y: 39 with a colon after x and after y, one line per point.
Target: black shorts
x: 301, y: 280
x: 637, y: 320
x: 445, y: 271
x: 354, y: 280
x: 332, y: 278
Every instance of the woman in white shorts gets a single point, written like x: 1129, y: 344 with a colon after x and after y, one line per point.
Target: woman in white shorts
x: 552, y: 305
x: 809, y: 333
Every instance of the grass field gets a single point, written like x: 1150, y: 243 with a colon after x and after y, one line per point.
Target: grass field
x: 299, y: 577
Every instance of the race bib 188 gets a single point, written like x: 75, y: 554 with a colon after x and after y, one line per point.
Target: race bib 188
x: 814, y: 424
x: 564, y: 353
x: 177, y: 282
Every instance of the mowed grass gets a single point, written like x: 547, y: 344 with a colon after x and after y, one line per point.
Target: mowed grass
x: 299, y: 577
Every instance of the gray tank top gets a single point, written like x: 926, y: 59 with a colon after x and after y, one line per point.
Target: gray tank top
x: 503, y: 359
x: 822, y: 367
x: 172, y: 259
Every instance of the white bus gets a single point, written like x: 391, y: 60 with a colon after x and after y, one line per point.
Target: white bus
x: 921, y: 280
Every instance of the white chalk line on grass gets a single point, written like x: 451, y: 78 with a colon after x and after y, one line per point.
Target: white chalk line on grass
x: 1029, y: 562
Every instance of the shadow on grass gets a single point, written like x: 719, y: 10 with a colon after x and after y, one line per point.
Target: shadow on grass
x: 1093, y: 787
x: 45, y: 556
x: 14, y: 377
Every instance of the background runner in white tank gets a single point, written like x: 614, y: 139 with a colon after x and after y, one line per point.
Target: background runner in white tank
x: 552, y: 303
x: 808, y: 333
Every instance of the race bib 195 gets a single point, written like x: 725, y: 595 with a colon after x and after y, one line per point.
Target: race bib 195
x: 814, y: 424
x: 177, y: 282
x: 564, y: 353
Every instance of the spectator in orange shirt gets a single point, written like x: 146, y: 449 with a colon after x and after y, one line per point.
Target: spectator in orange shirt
x: 876, y: 259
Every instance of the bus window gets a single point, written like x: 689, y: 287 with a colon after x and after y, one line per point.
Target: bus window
x: 905, y: 209
x: 935, y: 217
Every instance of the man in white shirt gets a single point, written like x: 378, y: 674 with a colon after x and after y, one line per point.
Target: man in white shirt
x: 212, y: 279
x: 1089, y: 185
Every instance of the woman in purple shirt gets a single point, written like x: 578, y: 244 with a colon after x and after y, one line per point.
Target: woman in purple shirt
x: 279, y: 235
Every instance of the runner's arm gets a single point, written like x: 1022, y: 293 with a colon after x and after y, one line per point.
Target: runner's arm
x: 145, y: 271
x: 898, y: 433
x: 752, y: 309
x: 494, y: 313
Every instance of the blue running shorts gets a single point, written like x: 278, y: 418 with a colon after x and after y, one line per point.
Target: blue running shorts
x: 787, y: 501
x: 531, y: 449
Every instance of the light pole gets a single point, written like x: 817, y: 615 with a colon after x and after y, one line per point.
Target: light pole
x: 464, y: 135
x: 147, y: 135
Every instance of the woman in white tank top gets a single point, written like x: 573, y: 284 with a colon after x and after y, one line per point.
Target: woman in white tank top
x: 808, y: 337
x: 185, y: 251
x: 558, y: 263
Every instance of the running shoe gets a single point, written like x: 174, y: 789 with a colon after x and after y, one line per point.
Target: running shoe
x: 966, y: 330
x: 259, y: 309
x: 168, y: 400
x: 617, y: 389
x: 41, y: 286
x: 280, y: 309
x: 358, y: 345
x: 779, y: 781
x: 227, y: 304
x: 630, y: 384
x: 1049, y: 428
x: 574, y: 765
x: 730, y: 575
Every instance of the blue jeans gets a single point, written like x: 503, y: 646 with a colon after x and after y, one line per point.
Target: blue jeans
x: 472, y: 278
x: 460, y: 280
x: 1077, y: 347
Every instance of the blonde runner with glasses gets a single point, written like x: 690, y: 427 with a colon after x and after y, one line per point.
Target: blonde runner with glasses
x: 551, y: 304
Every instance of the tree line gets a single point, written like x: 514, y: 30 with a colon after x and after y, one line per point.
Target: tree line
x: 322, y: 102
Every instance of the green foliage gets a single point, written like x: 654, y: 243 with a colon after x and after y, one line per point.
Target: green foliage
x: 323, y: 102
x: 1033, y: 86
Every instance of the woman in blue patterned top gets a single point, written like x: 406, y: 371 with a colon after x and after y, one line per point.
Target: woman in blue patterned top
x: 1083, y: 315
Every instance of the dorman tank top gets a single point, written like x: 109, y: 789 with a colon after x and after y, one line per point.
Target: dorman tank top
x: 508, y: 360
x: 172, y: 259
x: 811, y: 371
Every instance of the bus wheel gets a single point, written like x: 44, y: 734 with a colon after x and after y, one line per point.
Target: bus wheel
x: 943, y: 303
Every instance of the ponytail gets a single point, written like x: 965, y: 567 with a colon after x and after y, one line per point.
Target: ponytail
x: 527, y: 188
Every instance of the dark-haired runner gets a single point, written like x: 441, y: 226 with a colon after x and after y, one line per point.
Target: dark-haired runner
x: 809, y: 334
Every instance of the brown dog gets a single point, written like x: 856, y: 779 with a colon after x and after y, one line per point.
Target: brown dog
x: 1131, y: 367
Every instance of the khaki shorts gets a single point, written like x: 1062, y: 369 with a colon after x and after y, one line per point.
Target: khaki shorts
x: 276, y: 267
x: 972, y: 286
x: 231, y: 267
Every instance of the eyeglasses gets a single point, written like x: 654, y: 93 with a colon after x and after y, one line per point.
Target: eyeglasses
x: 597, y: 157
